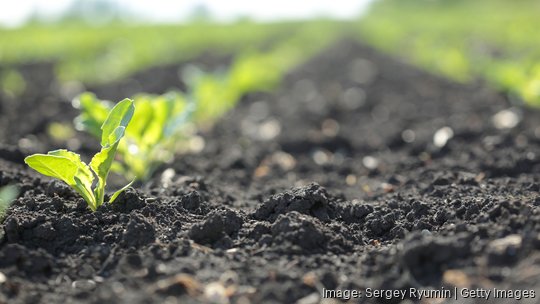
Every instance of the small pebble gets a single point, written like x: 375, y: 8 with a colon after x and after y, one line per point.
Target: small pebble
x: 269, y: 129
x: 506, y: 119
x: 215, y: 292
x: 284, y: 160
x: 442, y: 136
x: 84, y: 285
x: 370, y: 162
x: 167, y: 176
x: 351, y: 180
x: 321, y: 157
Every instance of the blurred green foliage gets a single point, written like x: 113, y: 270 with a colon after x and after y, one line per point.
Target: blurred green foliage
x: 262, y: 54
x: 254, y: 71
x: 102, y: 53
x: 495, y: 40
x: 163, y: 124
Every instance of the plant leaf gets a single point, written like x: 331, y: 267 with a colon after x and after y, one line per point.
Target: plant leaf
x: 180, y: 118
x: 141, y: 118
x: 66, y: 166
x: 154, y: 131
x: 113, y: 129
x: 59, y: 167
x: 117, y: 193
x: 101, y: 163
x: 85, y: 192
x: 120, y: 116
x: 94, y: 113
x: 84, y: 173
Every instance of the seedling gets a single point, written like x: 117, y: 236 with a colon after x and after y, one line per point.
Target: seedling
x: 68, y: 167
x: 151, y: 138
x: 157, y: 132
x: 218, y: 92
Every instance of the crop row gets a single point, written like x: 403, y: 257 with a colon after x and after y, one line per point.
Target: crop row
x: 494, y: 40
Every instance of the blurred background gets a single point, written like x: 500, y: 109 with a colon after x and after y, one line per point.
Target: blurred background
x: 98, y: 41
x: 167, y: 11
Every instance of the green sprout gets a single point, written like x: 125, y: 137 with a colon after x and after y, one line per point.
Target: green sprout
x: 7, y: 195
x: 152, y: 137
x: 218, y: 92
x: 159, y: 127
x: 68, y: 167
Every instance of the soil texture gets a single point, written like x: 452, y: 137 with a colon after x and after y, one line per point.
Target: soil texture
x: 358, y: 172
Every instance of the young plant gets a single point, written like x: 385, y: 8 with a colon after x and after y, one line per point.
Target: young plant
x: 152, y: 137
x: 68, y: 167
x: 218, y: 92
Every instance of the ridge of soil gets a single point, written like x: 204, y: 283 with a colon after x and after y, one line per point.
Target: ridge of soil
x: 334, y: 181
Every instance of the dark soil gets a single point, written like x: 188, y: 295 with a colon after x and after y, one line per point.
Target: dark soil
x: 345, y: 178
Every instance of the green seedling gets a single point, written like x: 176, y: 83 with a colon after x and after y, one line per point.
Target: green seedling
x: 68, y: 167
x: 159, y: 125
x: 7, y: 195
x: 218, y: 92
x: 153, y: 136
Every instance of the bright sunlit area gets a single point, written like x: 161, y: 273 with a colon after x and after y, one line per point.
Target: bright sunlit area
x: 168, y: 11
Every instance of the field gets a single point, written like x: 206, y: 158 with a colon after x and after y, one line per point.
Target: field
x: 489, y: 40
x: 315, y: 161
x: 99, y: 54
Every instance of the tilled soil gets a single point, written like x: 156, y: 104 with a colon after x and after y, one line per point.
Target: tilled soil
x: 359, y: 172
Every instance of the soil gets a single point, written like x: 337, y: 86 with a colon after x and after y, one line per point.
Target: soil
x: 359, y: 172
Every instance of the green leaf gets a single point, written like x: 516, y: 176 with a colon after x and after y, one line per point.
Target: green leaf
x: 116, y: 135
x: 120, y: 116
x: 113, y: 129
x: 83, y: 173
x: 154, y: 132
x: 85, y: 192
x: 117, y: 193
x: 66, y: 166
x: 141, y: 118
x: 174, y: 124
x: 59, y: 167
x: 93, y: 113
x: 101, y: 165
x: 102, y: 161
